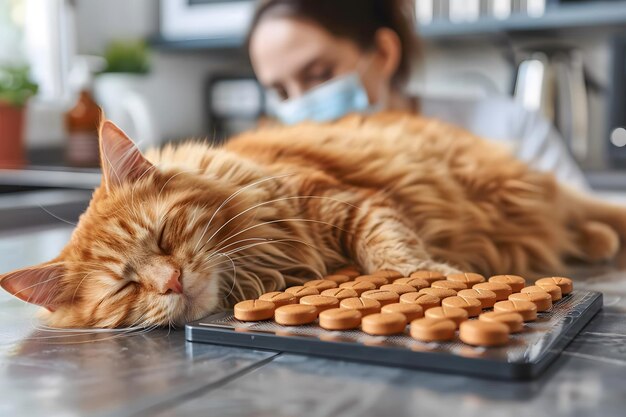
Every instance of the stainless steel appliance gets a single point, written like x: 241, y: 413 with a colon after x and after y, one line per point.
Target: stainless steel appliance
x: 234, y: 104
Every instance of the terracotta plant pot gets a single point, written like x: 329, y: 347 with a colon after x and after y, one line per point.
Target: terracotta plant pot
x: 11, y: 136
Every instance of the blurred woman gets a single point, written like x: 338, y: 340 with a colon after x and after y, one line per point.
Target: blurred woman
x: 323, y: 59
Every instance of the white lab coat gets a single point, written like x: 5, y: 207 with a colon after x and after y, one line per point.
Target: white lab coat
x: 531, y: 137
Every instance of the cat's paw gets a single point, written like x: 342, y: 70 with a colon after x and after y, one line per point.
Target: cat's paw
x: 598, y: 241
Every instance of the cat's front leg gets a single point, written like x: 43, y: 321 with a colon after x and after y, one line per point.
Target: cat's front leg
x: 372, y: 233
x: 382, y: 240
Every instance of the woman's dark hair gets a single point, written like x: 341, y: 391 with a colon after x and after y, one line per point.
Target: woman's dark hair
x: 356, y: 20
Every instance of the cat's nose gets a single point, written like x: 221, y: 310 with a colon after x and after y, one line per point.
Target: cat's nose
x: 162, y: 275
x: 173, y: 283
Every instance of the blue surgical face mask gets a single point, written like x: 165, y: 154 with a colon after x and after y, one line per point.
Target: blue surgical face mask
x: 326, y: 102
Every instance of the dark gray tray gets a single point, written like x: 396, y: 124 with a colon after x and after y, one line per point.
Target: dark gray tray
x: 526, y: 356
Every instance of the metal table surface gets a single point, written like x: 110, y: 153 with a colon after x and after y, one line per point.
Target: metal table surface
x: 48, y: 373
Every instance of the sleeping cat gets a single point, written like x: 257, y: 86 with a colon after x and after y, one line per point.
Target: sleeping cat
x: 190, y: 229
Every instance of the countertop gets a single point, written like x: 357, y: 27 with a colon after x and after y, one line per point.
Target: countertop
x: 44, y: 372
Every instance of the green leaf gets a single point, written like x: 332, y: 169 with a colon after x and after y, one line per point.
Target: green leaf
x: 16, y: 86
x: 127, y: 56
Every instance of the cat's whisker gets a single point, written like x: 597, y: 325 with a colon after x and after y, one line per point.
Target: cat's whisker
x: 219, y: 249
x: 65, y: 333
x: 269, y: 202
x: 266, y: 243
x: 233, y: 195
x: 83, y: 332
x: 57, y: 217
x: 216, y: 262
x: 217, y: 254
x: 273, y: 222
x: 234, y: 278
x: 80, y: 283
x: 213, y: 265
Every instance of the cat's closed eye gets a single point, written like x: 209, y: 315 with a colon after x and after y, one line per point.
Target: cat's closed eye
x: 161, y: 242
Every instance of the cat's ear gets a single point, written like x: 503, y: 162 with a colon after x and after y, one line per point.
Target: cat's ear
x: 37, y: 284
x: 121, y: 160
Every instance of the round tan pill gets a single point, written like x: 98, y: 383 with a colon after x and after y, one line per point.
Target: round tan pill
x: 279, y: 298
x: 457, y: 315
x: 566, y: 284
x: 483, y: 333
x: 360, y: 287
x: 321, y: 302
x: 416, y: 283
x: 321, y: 284
x: 254, y: 310
x: 383, y: 324
x: 339, y: 279
x: 428, y: 276
x: 350, y: 271
x: 301, y: 291
x: 487, y: 298
x: 340, y: 319
x: 514, y: 281
x: 365, y: 306
x: 542, y: 300
x: 340, y: 293
x: 410, y: 311
x: 440, y: 293
x: 501, y: 290
x: 398, y: 288
x: 295, y: 314
x: 527, y: 309
x: 553, y: 290
x: 374, y: 279
x: 451, y: 285
x: 467, y: 278
x: 384, y: 297
x: 432, y: 330
x: 388, y: 273
x: 514, y: 321
x: 473, y: 306
x: 426, y: 301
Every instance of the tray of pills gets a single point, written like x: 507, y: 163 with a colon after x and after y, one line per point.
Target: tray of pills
x: 461, y: 323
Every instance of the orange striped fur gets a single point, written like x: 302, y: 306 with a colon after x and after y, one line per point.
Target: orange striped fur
x: 282, y: 205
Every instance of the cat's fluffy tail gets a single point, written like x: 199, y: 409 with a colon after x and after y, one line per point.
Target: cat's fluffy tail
x: 600, y: 227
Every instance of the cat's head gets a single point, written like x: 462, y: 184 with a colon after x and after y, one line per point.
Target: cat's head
x: 154, y: 247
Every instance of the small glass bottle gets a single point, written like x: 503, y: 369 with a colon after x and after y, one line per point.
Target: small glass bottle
x: 81, y: 123
x: 83, y: 119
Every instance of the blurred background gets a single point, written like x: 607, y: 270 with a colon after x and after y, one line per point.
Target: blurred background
x: 171, y: 69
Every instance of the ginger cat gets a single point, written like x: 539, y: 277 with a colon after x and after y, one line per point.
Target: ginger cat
x: 190, y: 229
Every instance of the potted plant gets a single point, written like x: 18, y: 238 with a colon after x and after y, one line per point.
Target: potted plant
x: 15, y: 90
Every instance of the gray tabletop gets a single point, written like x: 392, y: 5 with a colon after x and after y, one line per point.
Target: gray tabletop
x: 50, y: 373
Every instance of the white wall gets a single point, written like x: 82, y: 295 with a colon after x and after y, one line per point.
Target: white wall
x: 176, y: 79
x: 99, y: 21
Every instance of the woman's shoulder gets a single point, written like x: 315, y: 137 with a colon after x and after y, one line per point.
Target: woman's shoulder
x: 532, y: 137
x: 496, y: 117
